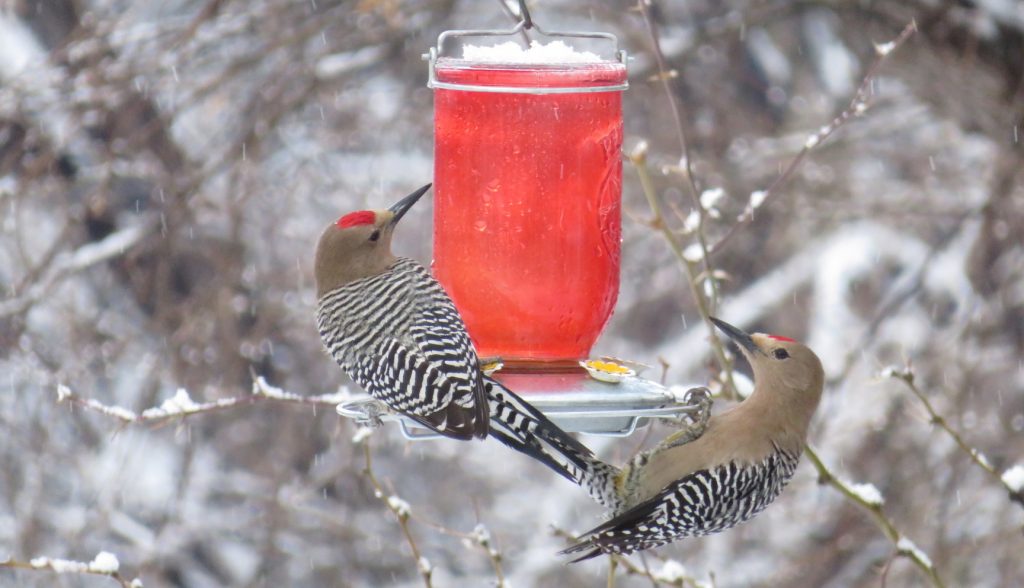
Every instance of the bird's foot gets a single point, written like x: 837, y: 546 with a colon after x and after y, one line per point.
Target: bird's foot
x: 700, y: 398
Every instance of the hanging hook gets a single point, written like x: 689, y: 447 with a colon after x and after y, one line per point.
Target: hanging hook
x: 524, y: 14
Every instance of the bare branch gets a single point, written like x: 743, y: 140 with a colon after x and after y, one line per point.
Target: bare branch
x: 857, y: 106
x: 86, y: 256
x: 906, y: 375
x: 400, y: 509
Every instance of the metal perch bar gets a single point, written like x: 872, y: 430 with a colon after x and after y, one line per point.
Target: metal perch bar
x: 596, y: 408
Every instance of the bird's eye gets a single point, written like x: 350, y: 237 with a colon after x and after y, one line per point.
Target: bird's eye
x: 780, y: 353
x: 375, y: 235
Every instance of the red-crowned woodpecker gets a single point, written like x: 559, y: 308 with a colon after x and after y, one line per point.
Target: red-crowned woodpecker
x: 721, y: 476
x: 395, y: 331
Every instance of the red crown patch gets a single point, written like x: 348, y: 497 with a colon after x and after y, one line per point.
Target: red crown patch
x: 354, y: 219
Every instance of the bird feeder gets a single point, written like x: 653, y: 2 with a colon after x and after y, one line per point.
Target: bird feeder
x: 527, y: 217
x: 527, y: 192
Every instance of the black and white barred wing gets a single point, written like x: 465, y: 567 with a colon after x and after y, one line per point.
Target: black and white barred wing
x: 399, y: 336
x: 440, y: 336
x: 702, y: 503
x: 410, y: 383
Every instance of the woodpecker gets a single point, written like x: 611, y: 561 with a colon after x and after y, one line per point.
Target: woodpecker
x: 724, y: 473
x: 395, y: 331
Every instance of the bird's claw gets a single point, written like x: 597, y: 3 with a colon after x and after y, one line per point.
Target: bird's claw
x: 698, y: 395
x: 700, y: 399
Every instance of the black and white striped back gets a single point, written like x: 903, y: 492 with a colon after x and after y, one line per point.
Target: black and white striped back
x: 399, y: 336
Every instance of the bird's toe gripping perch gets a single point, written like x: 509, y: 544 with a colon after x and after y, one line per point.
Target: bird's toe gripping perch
x: 700, y: 400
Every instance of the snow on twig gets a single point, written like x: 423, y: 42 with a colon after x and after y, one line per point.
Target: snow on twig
x: 402, y: 510
x: 182, y: 405
x: 1012, y: 480
x: 699, y: 254
x: 906, y: 547
x: 868, y: 497
x: 260, y: 387
x: 482, y: 537
x: 867, y: 493
x: 104, y: 564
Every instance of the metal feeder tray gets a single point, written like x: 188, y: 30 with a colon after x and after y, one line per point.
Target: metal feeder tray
x: 573, y: 400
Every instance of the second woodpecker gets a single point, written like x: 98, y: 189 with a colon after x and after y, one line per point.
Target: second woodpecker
x: 722, y: 475
x: 395, y: 331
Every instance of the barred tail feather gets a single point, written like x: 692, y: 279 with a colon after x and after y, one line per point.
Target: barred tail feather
x: 519, y: 425
x: 636, y: 529
x: 594, y: 551
x: 599, y: 480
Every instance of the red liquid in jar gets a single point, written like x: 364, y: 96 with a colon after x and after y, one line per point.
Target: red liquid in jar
x: 527, y: 216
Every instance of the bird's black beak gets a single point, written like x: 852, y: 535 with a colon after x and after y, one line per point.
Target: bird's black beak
x: 739, y: 337
x: 402, y: 206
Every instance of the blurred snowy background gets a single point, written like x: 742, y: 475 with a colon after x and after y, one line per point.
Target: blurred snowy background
x: 165, y: 170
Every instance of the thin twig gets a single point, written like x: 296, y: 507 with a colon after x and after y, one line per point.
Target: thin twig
x: 883, y: 580
x: 906, y: 376
x: 903, y: 545
x: 664, y: 75
x: 64, y: 566
x: 638, y: 157
x: 401, y: 512
x: 482, y: 537
x: 858, y: 105
x: 708, y: 306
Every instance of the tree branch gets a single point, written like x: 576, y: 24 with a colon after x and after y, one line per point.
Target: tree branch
x: 858, y: 105
x: 400, y: 509
x: 906, y: 375
x: 868, y: 498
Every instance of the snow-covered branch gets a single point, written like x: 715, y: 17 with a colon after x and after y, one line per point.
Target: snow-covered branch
x: 104, y: 564
x: 182, y: 405
x: 868, y: 497
x: 1012, y: 480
